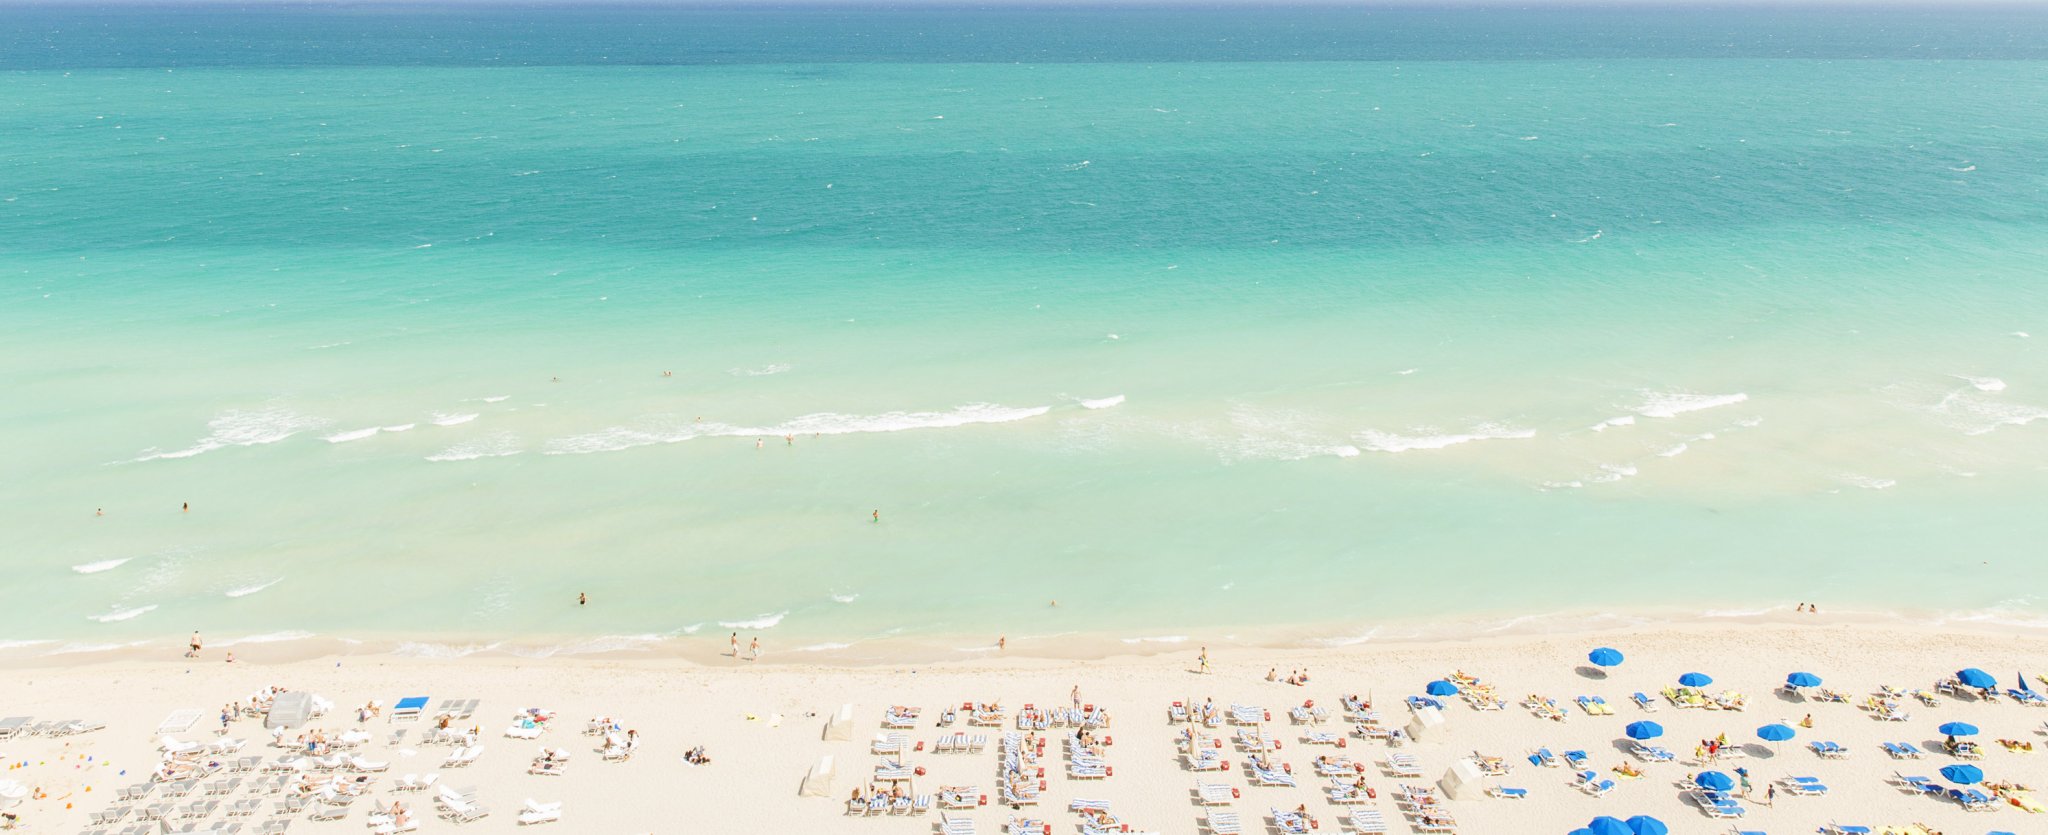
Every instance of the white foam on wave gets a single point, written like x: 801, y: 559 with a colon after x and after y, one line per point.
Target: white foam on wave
x: 266, y: 638
x: 495, y: 446
x: 423, y: 649
x: 1157, y: 639
x: 448, y: 419
x: 1982, y: 383
x: 1346, y: 640
x: 1405, y: 372
x: 1378, y: 441
x: 760, y: 622
x: 1103, y: 402
x: 403, y: 427
x: 1610, y: 473
x: 77, y: 647
x: 1976, y: 413
x: 497, y: 398
x: 352, y: 435
x: 7, y: 645
x: 1868, y: 482
x: 1673, y: 452
x: 1610, y: 423
x: 763, y: 371
x: 242, y: 427
x: 102, y: 565
x: 821, y: 423
x: 824, y: 647
x: 1674, y: 403
x: 845, y: 598
x: 124, y: 614
x: 1560, y: 485
x: 245, y: 591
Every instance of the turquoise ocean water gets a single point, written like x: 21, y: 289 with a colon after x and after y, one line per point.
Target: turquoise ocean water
x: 1316, y: 323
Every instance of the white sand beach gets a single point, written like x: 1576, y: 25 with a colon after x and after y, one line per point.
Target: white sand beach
x: 763, y: 724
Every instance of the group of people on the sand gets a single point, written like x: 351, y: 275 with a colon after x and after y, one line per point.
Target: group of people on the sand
x: 1298, y: 678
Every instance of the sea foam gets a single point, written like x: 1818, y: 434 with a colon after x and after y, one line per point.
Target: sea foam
x: 124, y: 614
x: 1673, y: 404
x: 102, y: 565
x: 242, y: 427
x: 1103, y: 403
x: 1378, y: 441
x: 761, y: 622
x: 245, y: 591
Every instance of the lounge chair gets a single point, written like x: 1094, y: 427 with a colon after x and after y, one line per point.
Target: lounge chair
x: 1845, y: 829
x: 1597, y: 788
x: 1643, y: 701
x: 1506, y: 793
x: 1215, y: 794
x: 1224, y: 823
x: 1652, y: 753
x: 1368, y: 821
x: 1723, y: 809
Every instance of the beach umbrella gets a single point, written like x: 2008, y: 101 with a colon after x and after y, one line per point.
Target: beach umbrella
x: 1441, y: 688
x: 1714, y: 781
x: 1646, y: 825
x: 1607, y: 825
x: 1605, y: 657
x: 1775, y: 733
x: 1803, y: 680
x: 1695, y: 679
x: 1643, y: 730
x: 2023, y: 682
x: 1957, y: 729
x: 1974, y: 677
x: 1963, y: 773
x: 1581, y: 831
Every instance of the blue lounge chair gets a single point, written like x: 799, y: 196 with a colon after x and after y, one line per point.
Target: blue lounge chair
x: 408, y: 708
x: 1643, y: 701
x: 1575, y: 759
x: 1846, y: 829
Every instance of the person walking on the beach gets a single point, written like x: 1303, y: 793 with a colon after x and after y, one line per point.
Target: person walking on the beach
x: 878, y: 516
x: 1202, y: 663
x: 196, y: 646
x: 735, y: 645
x: 187, y: 509
x: 582, y: 599
x: 754, y: 649
x: 1077, y: 697
x: 1002, y: 642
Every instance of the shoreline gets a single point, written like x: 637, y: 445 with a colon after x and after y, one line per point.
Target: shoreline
x: 710, y: 650
x: 765, y: 727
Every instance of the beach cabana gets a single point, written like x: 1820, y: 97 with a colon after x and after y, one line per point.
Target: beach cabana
x: 1605, y: 657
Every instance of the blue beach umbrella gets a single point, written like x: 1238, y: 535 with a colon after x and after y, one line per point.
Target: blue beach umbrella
x: 1646, y: 825
x: 1979, y: 679
x: 1643, y: 730
x: 1580, y: 831
x: 1714, y: 781
x: 1775, y: 733
x: 1957, y: 729
x: 1606, y: 825
x: 1695, y: 679
x: 2023, y: 682
x: 1441, y: 688
x: 1803, y: 680
x: 1963, y: 773
x: 1605, y: 657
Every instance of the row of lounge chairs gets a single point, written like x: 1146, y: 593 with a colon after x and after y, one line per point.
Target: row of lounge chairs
x: 18, y: 727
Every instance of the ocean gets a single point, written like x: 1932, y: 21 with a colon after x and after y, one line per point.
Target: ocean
x: 861, y: 328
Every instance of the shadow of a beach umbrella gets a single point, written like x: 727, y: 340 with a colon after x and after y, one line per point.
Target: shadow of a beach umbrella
x: 1646, y: 825
x: 1440, y: 687
x: 1775, y: 733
